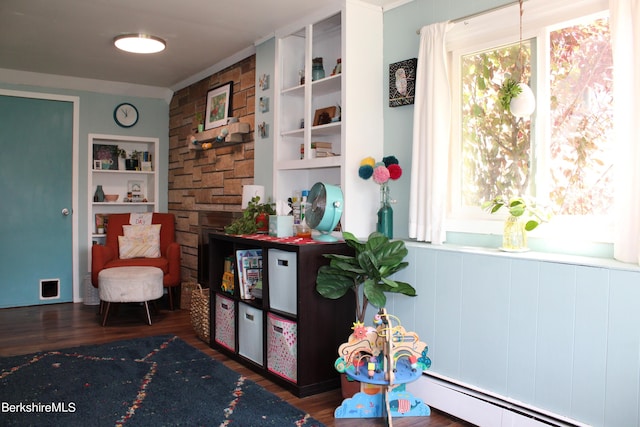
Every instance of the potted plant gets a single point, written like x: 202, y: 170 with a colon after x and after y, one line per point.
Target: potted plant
x: 517, y: 98
x: 122, y: 156
x: 374, y: 261
x: 366, y: 273
x: 133, y: 162
x: 523, y: 216
x: 254, y: 218
x: 199, y: 122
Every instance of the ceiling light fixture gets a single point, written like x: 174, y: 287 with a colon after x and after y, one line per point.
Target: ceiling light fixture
x: 139, y: 43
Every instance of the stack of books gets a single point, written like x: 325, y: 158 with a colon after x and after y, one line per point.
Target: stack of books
x: 249, y: 263
x: 322, y: 149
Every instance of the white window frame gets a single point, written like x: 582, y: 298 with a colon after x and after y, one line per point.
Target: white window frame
x: 481, y: 33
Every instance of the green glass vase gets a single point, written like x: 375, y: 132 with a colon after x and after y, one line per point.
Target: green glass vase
x: 385, y: 213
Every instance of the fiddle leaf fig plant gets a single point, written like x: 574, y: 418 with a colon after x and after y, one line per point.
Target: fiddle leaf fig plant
x: 374, y: 261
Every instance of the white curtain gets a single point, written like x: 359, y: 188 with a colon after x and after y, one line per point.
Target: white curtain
x: 431, y: 132
x: 625, y: 40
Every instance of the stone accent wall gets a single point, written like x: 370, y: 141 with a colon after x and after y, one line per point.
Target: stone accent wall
x: 208, y: 180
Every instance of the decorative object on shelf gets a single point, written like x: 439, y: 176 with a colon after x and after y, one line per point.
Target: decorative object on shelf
x: 125, y: 115
x: 301, y: 76
x: 338, y: 68
x: 122, y: 157
x: 138, y: 158
x: 111, y: 198
x: 264, y: 104
x: 199, y: 122
x: 223, y: 135
x: 324, y: 116
x: 130, y: 164
x: 98, y: 196
x: 402, y: 82
x: 317, y: 71
x: 514, y: 238
x: 323, y: 210
x: 136, y: 188
x: 218, y: 106
x: 106, y: 153
x: 382, y: 172
x: 101, y: 223
x: 107, y: 164
x: 247, y: 223
x: 373, y: 262
x: 385, y: 357
x: 517, y: 97
x: 263, y: 82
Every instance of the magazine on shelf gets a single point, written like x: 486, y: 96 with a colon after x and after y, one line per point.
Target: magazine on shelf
x: 249, y: 263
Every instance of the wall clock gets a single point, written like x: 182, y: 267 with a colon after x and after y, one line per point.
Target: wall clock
x: 125, y: 115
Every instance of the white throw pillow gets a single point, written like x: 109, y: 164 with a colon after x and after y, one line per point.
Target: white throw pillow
x: 140, y: 218
x: 151, y: 231
x: 140, y: 241
x: 137, y: 248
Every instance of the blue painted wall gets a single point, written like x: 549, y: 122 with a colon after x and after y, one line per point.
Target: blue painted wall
x: 561, y: 336
x: 401, y: 42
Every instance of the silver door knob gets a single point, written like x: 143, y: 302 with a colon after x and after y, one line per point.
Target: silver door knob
x: 66, y: 212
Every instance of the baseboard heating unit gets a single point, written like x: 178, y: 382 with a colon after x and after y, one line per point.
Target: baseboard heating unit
x: 480, y: 407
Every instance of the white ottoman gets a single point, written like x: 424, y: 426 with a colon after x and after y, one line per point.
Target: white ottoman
x: 130, y: 284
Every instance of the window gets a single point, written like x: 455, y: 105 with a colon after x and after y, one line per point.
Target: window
x: 562, y: 156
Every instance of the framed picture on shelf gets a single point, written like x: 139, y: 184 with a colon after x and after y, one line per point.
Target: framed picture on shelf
x: 324, y: 116
x: 97, y: 164
x: 146, y: 166
x: 218, y: 106
x: 106, y: 154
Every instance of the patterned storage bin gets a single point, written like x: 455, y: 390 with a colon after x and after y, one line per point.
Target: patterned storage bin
x: 282, y: 347
x: 225, y: 329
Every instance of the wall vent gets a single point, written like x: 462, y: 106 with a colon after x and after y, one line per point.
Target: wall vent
x: 49, y: 289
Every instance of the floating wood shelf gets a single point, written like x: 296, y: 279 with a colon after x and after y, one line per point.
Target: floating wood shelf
x: 236, y: 132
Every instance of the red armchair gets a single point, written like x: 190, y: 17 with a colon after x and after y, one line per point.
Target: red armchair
x: 107, y: 255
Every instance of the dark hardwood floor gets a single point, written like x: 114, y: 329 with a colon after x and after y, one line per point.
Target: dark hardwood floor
x: 49, y: 327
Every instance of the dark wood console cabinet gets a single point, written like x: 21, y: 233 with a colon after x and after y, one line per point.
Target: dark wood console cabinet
x: 295, y: 347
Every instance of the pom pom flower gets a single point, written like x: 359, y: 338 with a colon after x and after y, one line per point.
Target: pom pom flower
x: 381, y: 172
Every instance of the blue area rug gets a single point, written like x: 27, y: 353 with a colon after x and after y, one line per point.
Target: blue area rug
x: 155, y: 381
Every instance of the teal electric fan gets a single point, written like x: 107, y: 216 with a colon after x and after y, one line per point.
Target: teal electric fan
x: 323, y: 211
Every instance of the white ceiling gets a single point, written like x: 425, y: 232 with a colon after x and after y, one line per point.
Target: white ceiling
x: 74, y: 37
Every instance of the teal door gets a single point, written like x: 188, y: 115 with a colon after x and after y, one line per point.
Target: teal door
x: 36, y: 145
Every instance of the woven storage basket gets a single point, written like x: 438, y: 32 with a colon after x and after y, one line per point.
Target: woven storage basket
x: 185, y: 295
x: 200, y: 312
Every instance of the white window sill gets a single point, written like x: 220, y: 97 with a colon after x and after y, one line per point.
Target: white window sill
x: 587, y: 261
